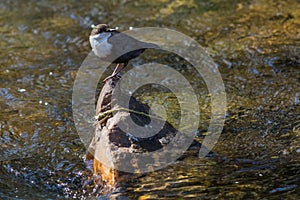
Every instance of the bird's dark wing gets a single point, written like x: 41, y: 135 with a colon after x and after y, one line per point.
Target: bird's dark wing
x: 122, y: 43
x: 125, y: 41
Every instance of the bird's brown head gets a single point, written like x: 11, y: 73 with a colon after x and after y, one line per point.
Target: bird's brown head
x: 99, y: 29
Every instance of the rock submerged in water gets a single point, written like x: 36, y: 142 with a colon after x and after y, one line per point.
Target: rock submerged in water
x: 113, y: 150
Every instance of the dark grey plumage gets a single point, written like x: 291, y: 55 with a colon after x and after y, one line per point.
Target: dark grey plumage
x: 116, y: 47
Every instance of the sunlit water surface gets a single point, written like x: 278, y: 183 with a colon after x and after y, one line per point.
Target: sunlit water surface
x: 256, y: 46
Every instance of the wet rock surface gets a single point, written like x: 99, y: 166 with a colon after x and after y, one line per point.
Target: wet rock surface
x: 114, y: 149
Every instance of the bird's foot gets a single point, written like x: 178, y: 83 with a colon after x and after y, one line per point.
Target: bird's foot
x: 118, y: 76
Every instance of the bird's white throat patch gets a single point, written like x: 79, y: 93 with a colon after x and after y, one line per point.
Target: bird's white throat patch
x: 100, y: 45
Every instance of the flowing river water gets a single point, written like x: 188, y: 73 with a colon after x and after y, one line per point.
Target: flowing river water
x: 256, y: 45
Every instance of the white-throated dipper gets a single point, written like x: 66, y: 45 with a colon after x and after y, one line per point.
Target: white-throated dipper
x: 116, y: 47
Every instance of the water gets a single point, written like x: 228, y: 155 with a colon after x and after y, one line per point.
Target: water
x: 254, y: 43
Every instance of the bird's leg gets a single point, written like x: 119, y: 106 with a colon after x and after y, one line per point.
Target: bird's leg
x: 116, y: 71
x: 113, y: 74
x: 119, y: 69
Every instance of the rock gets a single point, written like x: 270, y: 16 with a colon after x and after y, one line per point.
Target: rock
x: 115, y: 152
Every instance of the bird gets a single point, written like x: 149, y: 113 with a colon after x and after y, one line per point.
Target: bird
x: 113, y: 46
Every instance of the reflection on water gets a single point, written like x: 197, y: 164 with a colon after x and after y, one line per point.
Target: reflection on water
x: 256, y: 45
